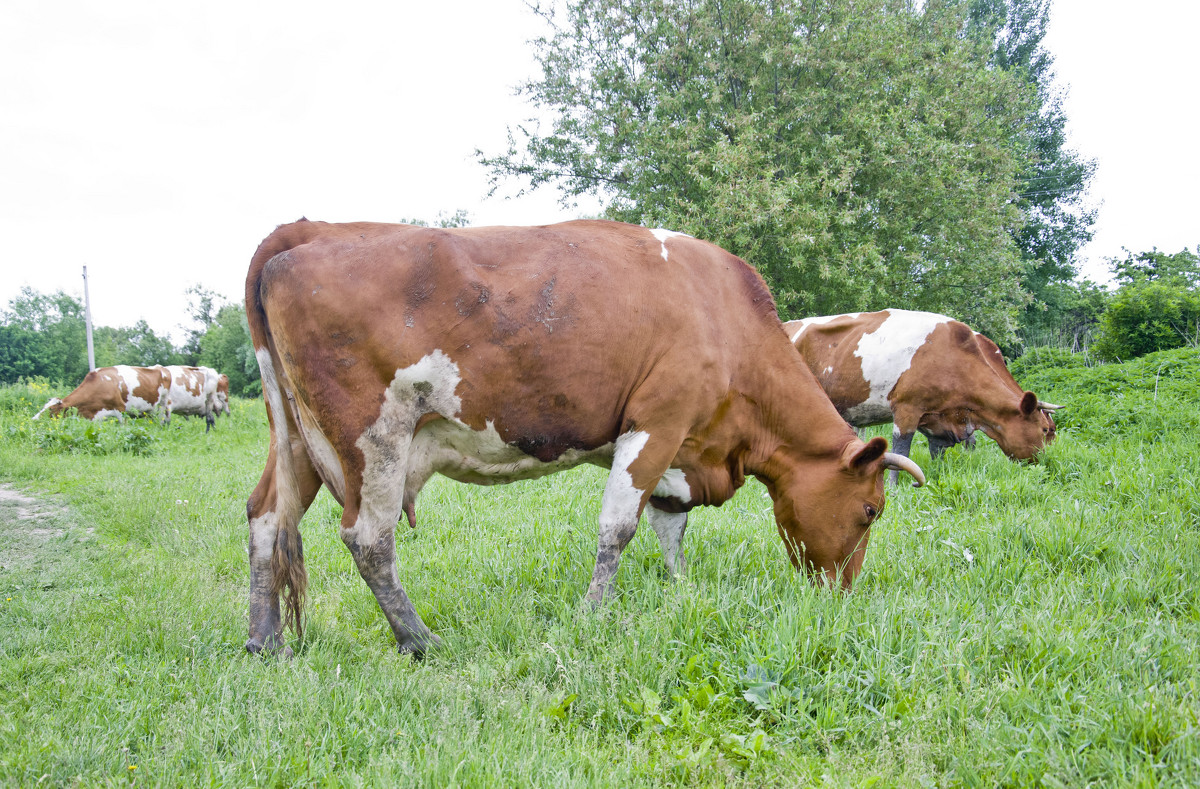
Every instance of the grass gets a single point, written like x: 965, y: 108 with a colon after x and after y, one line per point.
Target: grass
x: 1014, y: 625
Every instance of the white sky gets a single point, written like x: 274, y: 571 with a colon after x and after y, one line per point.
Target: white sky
x: 159, y: 143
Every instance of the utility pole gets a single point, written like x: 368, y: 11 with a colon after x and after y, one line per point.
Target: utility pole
x: 87, y: 314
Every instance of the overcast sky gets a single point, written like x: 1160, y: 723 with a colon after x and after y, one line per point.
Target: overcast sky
x: 158, y: 143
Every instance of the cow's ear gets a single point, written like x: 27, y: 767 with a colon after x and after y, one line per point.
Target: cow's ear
x: 1029, y: 403
x: 870, y: 452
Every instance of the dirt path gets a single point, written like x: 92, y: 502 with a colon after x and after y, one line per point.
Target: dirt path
x: 31, y: 531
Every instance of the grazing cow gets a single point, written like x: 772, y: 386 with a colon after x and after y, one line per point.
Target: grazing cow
x: 391, y: 352
x: 114, y: 391
x: 923, y: 372
x: 222, y: 395
x: 193, y: 393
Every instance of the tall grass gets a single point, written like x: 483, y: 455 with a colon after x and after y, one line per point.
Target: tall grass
x: 1014, y: 625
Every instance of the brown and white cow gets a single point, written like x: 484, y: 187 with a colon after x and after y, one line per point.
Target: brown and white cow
x: 923, y: 372
x: 222, y: 395
x: 391, y: 352
x: 114, y: 391
x: 193, y: 393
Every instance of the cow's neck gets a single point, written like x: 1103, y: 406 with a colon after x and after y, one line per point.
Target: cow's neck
x: 776, y: 420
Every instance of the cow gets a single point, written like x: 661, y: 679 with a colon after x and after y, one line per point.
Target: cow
x: 923, y: 372
x: 193, y: 393
x: 222, y: 406
x: 493, y: 354
x: 114, y: 391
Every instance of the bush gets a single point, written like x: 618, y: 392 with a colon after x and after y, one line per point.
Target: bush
x: 1148, y: 316
x: 70, y: 436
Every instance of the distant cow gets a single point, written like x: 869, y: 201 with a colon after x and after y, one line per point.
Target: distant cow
x: 114, y: 391
x: 923, y: 372
x: 194, y: 393
x: 222, y: 395
x: 389, y: 353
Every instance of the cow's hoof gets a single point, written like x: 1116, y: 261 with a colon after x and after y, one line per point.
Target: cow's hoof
x: 417, y: 647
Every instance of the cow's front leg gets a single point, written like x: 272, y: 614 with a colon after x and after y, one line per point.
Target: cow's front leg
x: 669, y: 526
x: 639, y: 462
x: 373, y: 545
x: 938, y: 446
x: 901, y: 445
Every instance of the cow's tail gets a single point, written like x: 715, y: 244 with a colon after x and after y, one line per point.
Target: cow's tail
x: 289, y: 580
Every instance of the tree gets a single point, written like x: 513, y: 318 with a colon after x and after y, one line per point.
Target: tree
x: 52, y: 324
x: 1181, y: 269
x: 18, y: 354
x: 226, y: 347
x: 137, y: 345
x: 203, y: 306
x: 1052, y: 192
x: 1071, y: 312
x: 859, y: 156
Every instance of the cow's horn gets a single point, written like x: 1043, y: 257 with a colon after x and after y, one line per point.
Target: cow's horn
x: 901, y: 463
x: 1042, y: 404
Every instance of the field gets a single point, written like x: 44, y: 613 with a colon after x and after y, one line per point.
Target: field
x: 1013, y: 626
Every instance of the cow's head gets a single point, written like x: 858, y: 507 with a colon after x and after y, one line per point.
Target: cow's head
x: 824, y: 508
x: 1022, y: 431
x: 54, y: 406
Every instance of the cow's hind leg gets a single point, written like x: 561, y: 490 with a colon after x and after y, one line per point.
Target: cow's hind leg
x: 374, y: 504
x: 276, y: 553
x: 372, y: 543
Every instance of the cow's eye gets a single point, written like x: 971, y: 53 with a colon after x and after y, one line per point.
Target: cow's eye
x: 871, y: 511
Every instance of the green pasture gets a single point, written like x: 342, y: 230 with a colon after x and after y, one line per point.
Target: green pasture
x: 1013, y: 625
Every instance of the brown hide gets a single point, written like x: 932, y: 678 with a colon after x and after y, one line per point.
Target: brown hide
x: 106, y: 389
x: 955, y: 383
x: 562, y: 340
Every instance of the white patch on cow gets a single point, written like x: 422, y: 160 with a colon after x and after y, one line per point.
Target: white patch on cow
x: 262, y: 537
x: 105, y: 413
x: 621, y: 498
x: 663, y: 235
x: 424, y: 387
x: 829, y: 369
x: 886, y: 354
x: 106, y: 377
x: 673, y: 485
x: 482, y: 457
x: 133, y: 403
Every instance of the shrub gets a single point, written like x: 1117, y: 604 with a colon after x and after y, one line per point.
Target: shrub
x: 71, y: 436
x: 1148, y: 316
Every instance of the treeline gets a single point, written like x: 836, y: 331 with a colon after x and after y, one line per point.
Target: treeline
x: 44, y: 336
x: 1155, y: 306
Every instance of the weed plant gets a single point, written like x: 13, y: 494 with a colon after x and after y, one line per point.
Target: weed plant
x: 1013, y: 626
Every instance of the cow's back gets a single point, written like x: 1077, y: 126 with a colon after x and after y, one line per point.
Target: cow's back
x: 866, y: 361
